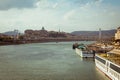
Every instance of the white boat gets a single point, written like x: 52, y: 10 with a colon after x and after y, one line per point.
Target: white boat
x: 111, y: 69
x: 84, y: 53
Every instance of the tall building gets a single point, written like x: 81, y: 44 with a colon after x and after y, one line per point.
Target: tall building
x: 16, y: 34
x: 117, y: 34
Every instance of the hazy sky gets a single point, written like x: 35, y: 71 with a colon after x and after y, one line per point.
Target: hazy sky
x: 66, y: 15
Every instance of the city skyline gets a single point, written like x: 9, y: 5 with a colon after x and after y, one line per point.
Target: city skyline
x: 66, y: 15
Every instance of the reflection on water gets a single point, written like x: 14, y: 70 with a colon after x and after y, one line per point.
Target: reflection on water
x: 46, y: 61
x: 87, y: 59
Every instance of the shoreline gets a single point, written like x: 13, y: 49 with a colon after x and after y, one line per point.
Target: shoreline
x: 18, y: 42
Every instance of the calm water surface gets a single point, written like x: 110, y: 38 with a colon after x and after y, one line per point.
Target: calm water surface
x: 46, y: 61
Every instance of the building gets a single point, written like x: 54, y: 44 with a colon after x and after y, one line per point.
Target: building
x: 117, y: 34
x: 41, y: 34
x: 55, y: 34
x: 36, y: 34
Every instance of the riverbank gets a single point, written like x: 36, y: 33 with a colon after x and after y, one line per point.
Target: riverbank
x: 10, y: 43
x: 101, y: 47
x: 43, y: 40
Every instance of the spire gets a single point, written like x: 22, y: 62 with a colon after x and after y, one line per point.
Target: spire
x: 59, y: 30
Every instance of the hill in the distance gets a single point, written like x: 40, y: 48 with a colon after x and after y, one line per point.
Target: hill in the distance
x: 89, y: 34
x: 94, y: 33
x: 12, y: 33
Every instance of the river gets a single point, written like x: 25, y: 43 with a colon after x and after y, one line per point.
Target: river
x: 46, y: 61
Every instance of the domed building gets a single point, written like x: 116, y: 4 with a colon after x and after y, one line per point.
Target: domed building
x: 36, y: 34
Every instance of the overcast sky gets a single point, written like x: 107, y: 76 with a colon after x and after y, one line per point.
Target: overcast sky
x: 66, y: 15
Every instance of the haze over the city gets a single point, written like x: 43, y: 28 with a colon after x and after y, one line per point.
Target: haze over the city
x: 66, y: 15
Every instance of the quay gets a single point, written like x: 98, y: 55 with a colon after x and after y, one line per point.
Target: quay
x: 108, y: 61
x: 109, y: 64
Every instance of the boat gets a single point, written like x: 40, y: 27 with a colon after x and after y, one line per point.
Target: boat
x: 109, y: 65
x: 83, y: 51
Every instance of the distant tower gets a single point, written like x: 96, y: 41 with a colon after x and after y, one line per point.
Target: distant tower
x: 117, y: 34
x: 16, y: 34
x: 100, y: 34
x: 59, y: 30
x: 43, y: 28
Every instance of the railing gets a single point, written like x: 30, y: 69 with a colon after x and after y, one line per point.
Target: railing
x: 109, y: 68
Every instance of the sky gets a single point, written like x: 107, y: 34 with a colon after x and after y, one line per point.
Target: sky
x: 63, y: 15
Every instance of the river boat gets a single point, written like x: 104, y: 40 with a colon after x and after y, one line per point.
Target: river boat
x: 83, y: 51
x: 109, y: 64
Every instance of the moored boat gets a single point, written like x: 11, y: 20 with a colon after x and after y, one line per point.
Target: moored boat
x: 83, y: 51
x: 109, y: 66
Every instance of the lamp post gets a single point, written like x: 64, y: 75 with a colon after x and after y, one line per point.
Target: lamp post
x: 100, y: 35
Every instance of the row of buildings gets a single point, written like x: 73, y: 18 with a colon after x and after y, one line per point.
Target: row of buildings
x: 10, y: 36
x: 34, y: 35
x: 40, y: 34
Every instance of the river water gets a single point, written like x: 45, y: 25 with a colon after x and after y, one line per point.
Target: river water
x: 46, y: 61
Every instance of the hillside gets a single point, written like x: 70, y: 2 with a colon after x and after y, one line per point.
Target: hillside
x: 95, y: 33
x: 11, y: 33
